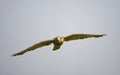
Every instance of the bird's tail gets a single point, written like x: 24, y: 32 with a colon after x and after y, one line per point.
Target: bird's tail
x: 56, y: 47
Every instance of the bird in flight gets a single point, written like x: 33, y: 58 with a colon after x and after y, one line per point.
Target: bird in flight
x: 58, y: 41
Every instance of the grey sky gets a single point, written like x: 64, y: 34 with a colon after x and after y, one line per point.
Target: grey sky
x: 25, y: 22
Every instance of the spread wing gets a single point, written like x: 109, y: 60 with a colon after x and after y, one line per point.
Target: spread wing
x: 33, y: 47
x: 81, y: 36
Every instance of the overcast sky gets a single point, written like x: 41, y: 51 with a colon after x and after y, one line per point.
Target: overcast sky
x: 25, y: 22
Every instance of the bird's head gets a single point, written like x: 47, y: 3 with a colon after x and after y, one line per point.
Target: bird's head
x: 59, y: 39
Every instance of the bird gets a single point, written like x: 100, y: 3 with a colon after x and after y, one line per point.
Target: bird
x: 58, y: 41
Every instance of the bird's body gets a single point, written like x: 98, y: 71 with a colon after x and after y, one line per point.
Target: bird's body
x: 58, y: 41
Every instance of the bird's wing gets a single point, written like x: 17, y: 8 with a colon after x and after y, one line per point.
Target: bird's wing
x: 33, y: 47
x: 81, y: 36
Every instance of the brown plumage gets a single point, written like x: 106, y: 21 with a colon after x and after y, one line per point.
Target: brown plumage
x: 58, y: 41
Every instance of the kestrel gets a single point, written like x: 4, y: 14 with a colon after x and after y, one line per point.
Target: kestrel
x: 58, y: 41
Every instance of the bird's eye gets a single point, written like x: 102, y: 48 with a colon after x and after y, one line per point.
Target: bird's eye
x: 58, y: 38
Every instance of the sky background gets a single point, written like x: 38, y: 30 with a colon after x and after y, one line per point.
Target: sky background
x: 26, y: 22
